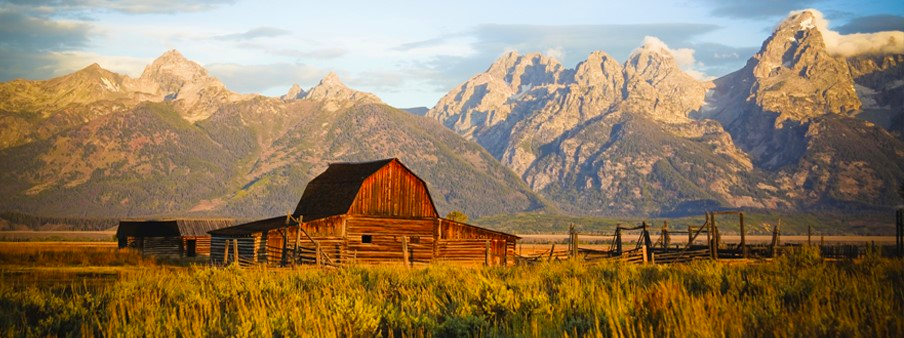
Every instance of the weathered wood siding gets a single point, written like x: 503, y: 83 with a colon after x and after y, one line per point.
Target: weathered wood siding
x: 161, y: 246
x: 326, y: 231
x: 222, y: 249
x: 393, y: 191
x: 386, y: 236
x: 464, y: 243
x: 202, y: 245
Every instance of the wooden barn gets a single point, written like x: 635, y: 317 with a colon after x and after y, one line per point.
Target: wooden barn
x: 176, y: 237
x: 362, y: 213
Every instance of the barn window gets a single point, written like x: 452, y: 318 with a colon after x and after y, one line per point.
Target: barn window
x: 415, y: 239
x: 367, y: 238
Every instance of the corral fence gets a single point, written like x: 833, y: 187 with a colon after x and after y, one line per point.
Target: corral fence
x: 635, y: 244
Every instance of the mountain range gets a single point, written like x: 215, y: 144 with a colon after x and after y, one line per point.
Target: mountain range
x: 787, y: 131
x: 797, y: 128
x: 176, y: 142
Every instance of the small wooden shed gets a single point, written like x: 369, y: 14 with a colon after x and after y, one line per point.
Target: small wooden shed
x: 369, y: 213
x: 177, y: 237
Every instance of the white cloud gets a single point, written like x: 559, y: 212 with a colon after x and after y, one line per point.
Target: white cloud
x: 684, y: 57
x: 122, y: 6
x: 847, y: 45
x: 557, y: 53
x: 265, y: 77
x: 256, y: 33
x: 70, y: 61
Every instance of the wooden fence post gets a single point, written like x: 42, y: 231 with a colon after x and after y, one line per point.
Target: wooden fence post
x: 709, y: 235
x: 715, y: 229
x: 235, y: 251
x: 574, y: 241
x: 405, y: 257
x: 551, y: 251
x: 317, y: 254
x: 225, y: 252
x: 295, y: 251
x: 775, y: 237
x: 744, y: 250
x: 486, y: 254
x: 665, y: 235
x: 618, y: 241
x: 809, y: 235
x: 643, y: 250
x: 899, y: 227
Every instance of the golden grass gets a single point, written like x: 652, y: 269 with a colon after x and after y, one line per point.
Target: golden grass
x: 796, y: 295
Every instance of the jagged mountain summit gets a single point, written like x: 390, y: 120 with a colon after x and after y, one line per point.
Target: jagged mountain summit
x: 792, y: 109
x: 592, y: 137
x: 172, y: 77
x: 800, y: 127
x: 175, y: 141
x: 335, y: 95
x: 34, y: 110
x: 294, y: 93
x: 879, y: 85
x: 645, y: 137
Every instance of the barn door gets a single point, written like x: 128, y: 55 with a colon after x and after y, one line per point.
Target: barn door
x: 191, y: 247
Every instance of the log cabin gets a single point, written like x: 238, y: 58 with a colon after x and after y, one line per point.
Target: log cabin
x: 362, y: 213
x: 173, y: 237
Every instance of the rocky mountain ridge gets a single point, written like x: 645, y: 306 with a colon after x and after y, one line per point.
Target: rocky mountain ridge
x: 797, y: 128
x: 180, y: 143
x: 645, y: 137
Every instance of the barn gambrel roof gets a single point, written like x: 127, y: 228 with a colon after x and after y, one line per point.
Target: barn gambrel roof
x: 333, y: 192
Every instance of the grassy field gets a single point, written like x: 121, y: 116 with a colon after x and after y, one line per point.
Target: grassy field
x: 79, y: 290
x: 57, y: 236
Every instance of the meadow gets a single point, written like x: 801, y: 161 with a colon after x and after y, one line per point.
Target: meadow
x: 53, y: 290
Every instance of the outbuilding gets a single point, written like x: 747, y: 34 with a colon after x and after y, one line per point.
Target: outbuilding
x: 175, y: 237
x: 362, y: 213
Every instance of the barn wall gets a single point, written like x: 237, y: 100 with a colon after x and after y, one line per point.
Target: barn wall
x: 326, y: 231
x: 222, y: 249
x: 202, y: 243
x: 386, y: 235
x: 393, y: 191
x: 155, y: 246
x: 459, y: 242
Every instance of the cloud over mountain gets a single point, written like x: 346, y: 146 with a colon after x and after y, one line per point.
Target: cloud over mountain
x: 847, y: 45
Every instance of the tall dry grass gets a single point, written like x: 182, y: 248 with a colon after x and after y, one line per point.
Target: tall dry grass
x: 797, y: 295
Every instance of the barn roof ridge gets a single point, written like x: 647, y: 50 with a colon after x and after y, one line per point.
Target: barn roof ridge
x: 172, y: 226
x: 333, y: 191
x: 250, y: 227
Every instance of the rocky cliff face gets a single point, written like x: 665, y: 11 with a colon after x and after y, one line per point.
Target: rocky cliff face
x: 657, y: 88
x: 879, y: 81
x: 792, y: 76
x: 335, y: 95
x: 172, y: 77
x: 35, y: 110
x: 790, y: 130
x: 294, y: 93
x: 159, y: 155
x: 603, y: 137
x: 635, y: 137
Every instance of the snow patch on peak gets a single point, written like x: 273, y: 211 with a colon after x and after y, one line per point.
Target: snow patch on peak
x: 652, y: 44
x: 844, y: 45
x: 109, y: 85
x: 523, y: 90
x: 683, y: 57
x: 807, y: 24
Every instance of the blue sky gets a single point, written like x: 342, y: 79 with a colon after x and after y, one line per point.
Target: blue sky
x: 409, y: 53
